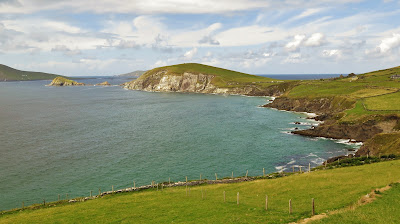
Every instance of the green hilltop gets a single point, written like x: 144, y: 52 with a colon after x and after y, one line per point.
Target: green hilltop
x: 224, y: 78
x: 11, y: 74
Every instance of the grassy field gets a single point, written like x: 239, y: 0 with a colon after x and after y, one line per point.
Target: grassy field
x: 10, y: 74
x: 223, y: 77
x: 332, y: 189
x: 385, y: 209
x: 384, y: 102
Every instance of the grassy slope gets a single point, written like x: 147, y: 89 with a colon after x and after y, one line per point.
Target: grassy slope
x: 224, y: 78
x: 373, y: 93
x: 11, y: 74
x: 332, y: 189
x: 385, y: 210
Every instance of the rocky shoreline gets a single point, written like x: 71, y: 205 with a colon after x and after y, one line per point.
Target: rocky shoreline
x: 328, y: 111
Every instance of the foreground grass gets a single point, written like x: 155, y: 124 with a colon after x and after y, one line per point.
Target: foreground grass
x: 332, y: 189
x: 386, y: 209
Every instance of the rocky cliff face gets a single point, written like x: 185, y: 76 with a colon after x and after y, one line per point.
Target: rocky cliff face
x: 195, y: 83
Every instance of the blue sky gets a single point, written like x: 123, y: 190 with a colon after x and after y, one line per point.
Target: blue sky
x: 110, y: 37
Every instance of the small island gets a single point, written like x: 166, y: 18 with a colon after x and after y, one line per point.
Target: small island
x: 103, y: 84
x: 61, y: 81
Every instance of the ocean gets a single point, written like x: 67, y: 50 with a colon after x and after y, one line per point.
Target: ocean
x: 73, y: 140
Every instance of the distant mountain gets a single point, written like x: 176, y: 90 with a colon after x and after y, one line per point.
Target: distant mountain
x: 134, y: 74
x: 11, y: 74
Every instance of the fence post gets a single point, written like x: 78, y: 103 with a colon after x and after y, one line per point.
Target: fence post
x: 300, y: 168
x: 67, y: 196
x: 58, y: 196
x: 200, y: 177
x: 309, y: 167
x: 293, y: 168
x: 90, y: 193
x: 266, y: 202
x: 44, y: 202
x: 224, y: 197
x: 247, y: 172
x: 232, y: 174
x: 134, y: 184
x: 263, y: 172
x: 23, y: 205
x: 237, y: 198
x: 290, y: 206
x: 99, y: 191
x: 216, y: 177
x: 169, y: 180
x: 313, y: 207
x: 112, y: 187
x: 157, y: 186
x: 162, y: 187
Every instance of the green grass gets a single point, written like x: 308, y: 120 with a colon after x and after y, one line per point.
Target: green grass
x: 10, y: 74
x: 384, y: 102
x: 386, y: 209
x: 332, y: 189
x: 223, y: 77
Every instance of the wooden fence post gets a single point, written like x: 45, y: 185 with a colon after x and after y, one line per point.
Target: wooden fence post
x: 293, y: 168
x: 67, y: 196
x: 58, y: 196
x: 169, y: 180
x: 266, y: 202
x: 309, y: 167
x: 290, y: 206
x: 134, y: 184
x: 44, y: 202
x: 224, y: 197
x: 112, y: 187
x: 263, y: 172
x: 300, y: 168
x: 216, y: 177
x: 237, y: 199
x: 23, y: 205
x: 90, y: 193
x: 232, y: 174
x: 162, y: 186
x: 313, y: 207
x: 247, y: 172
x: 157, y: 186
x: 200, y: 177
x: 99, y: 191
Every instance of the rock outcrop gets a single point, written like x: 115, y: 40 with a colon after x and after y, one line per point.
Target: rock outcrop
x: 104, y: 84
x: 61, y: 81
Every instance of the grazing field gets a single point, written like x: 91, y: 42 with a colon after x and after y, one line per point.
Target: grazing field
x: 11, y: 74
x: 385, y: 209
x: 332, y: 189
x: 384, y: 102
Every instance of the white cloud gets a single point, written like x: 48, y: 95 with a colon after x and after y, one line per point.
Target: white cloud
x: 66, y: 50
x: 190, y: 54
x: 389, y: 43
x: 385, y: 47
x: 294, y: 59
x: 304, y: 14
x: 315, y: 40
x: 332, y: 53
x: 295, y: 44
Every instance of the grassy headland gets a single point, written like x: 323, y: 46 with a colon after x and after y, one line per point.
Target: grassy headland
x: 332, y: 189
x: 11, y: 74
x: 353, y: 107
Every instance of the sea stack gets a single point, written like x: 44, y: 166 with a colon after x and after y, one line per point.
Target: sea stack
x: 104, y: 84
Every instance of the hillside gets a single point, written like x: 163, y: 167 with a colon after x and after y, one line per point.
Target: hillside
x: 11, y: 74
x: 332, y: 189
x: 133, y: 74
x: 192, y: 77
x: 353, y: 107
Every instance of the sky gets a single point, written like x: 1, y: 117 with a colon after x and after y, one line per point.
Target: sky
x: 111, y: 37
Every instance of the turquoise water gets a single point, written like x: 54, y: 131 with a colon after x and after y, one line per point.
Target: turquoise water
x: 59, y: 140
